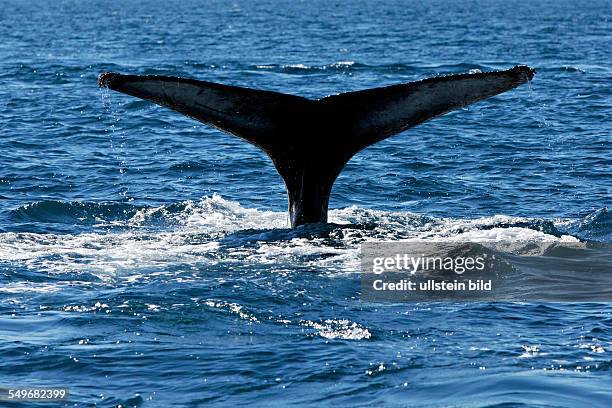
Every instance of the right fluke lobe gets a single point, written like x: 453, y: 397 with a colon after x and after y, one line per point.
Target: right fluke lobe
x: 524, y: 70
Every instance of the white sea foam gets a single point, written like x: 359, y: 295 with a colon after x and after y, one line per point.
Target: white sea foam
x: 530, y: 351
x: 233, y: 308
x: 214, y: 230
x: 299, y: 66
x: 342, y: 64
x: 338, y: 329
x: 21, y: 287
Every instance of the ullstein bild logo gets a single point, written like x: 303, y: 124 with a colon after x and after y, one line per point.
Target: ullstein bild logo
x: 465, y: 271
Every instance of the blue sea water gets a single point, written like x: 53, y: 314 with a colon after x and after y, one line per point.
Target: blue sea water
x: 146, y: 260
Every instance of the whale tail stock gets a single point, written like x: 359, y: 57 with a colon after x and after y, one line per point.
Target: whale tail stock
x: 310, y: 141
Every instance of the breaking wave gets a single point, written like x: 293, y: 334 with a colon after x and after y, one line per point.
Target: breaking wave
x: 121, y: 238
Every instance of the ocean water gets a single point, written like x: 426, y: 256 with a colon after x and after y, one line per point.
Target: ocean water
x: 146, y: 259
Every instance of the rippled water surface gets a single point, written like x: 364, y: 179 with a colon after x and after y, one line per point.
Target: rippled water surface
x: 146, y: 260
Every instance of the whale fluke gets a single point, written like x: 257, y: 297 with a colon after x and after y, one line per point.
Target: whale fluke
x: 310, y: 141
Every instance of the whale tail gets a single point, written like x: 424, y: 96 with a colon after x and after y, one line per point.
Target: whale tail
x: 310, y: 141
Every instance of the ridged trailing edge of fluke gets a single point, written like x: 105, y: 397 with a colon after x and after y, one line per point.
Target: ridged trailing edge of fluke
x: 522, y: 72
x: 310, y: 141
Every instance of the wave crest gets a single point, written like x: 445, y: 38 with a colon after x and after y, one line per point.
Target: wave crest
x: 216, y: 231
